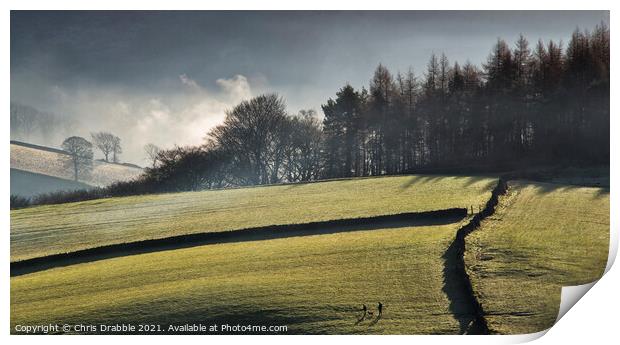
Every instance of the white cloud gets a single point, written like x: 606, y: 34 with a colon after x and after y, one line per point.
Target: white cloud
x: 181, y: 117
x: 237, y: 87
x: 189, y: 81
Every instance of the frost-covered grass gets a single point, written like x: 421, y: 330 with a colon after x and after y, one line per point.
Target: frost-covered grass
x: 51, y: 163
x: 51, y: 229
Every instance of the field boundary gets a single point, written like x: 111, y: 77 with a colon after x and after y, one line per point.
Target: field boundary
x: 425, y: 218
x: 39, y: 147
x: 63, y: 152
x: 455, y: 272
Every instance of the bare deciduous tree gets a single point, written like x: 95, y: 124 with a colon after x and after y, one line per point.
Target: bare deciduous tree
x: 303, y: 152
x: 107, y: 143
x: 116, y: 149
x: 152, y: 152
x: 80, y: 156
x: 252, y: 134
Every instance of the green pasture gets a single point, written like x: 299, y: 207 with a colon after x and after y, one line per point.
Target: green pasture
x: 44, y: 230
x: 543, y: 236
x: 312, y: 284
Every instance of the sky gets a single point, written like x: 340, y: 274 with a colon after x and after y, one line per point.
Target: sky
x: 168, y: 77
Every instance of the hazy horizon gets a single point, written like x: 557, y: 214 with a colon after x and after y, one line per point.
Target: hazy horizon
x: 168, y: 77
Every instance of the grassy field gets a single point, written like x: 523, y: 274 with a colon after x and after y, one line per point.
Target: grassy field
x: 44, y: 230
x: 542, y: 236
x: 313, y: 284
x: 51, y: 163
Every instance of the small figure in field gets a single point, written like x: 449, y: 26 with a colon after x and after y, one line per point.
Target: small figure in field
x: 380, y: 307
x: 364, y: 309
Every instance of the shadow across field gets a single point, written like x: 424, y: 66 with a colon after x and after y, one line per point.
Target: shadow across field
x: 456, y: 283
x: 400, y: 220
x: 468, y: 181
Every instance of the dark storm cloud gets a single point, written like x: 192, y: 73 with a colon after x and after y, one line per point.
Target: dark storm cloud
x: 134, y: 48
x: 142, y: 47
x: 78, y: 62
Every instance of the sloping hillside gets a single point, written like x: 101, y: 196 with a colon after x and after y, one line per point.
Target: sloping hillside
x: 540, y: 237
x: 48, y: 161
x: 543, y: 236
x: 52, y: 229
x: 315, y: 283
x: 312, y: 284
x: 28, y: 184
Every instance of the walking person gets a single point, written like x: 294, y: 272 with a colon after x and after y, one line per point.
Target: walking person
x: 364, y: 309
x: 380, y: 307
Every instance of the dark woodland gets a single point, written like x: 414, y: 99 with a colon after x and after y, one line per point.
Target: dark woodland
x: 529, y: 105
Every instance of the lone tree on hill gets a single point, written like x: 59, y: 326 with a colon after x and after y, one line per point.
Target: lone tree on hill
x: 80, y: 158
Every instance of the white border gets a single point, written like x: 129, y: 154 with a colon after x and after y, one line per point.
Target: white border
x: 593, y: 319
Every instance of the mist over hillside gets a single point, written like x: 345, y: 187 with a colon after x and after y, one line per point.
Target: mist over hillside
x: 32, y: 125
x: 49, y: 162
x: 182, y: 116
x: 167, y: 78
